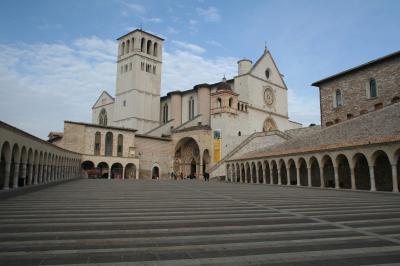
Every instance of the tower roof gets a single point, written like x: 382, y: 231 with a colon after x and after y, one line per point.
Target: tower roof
x: 140, y: 30
x: 224, y: 86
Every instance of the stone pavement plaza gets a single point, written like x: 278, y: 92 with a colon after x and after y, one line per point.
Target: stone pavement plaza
x: 152, y: 222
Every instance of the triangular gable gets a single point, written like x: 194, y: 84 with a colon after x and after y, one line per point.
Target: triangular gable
x: 266, y: 61
x: 104, y: 99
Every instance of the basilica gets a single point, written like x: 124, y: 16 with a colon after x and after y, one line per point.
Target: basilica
x: 186, y: 132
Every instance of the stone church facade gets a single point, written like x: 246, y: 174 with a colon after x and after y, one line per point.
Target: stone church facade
x: 189, y: 130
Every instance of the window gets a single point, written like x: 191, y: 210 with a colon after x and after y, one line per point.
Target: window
x: 142, y: 45
x: 191, y: 108
x: 123, y: 48
x: 133, y: 44
x: 330, y: 123
x: 124, y: 103
x: 238, y: 106
x: 109, y: 144
x: 148, y: 47
x: 103, y: 117
x: 378, y: 106
x: 395, y: 99
x: 349, y: 116
x: 120, y: 145
x: 155, y: 49
x: 122, y: 69
x: 219, y: 103
x: 165, y: 114
x: 126, y: 68
x: 154, y: 69
x: 337, y: 120
x: 230, y: 102
x: 97, y: 143
x: 372, y: 89
x: 128, y: 42
x: 267, y: 74
x: 142, y: 66
x: 239, y: 133
x: 130, y: 66
x: 339, y: 100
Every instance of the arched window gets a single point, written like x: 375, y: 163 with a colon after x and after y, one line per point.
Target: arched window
x: 155, y: 49
x: 372, y: 89
x: 165, y: 113
x: 191, y: 108
x: 133, y: 45
x: 109, y: 144
x: 103, y: 117
x: 149, y: 47
x: 128, y: 44
x: 120, y: 145
x: 123, y: 48
x: 219, y: 103
x: 238, y: 106
x: 339, y: 100
x: 142, y: 45
x: 230, y: 102
x: 97, y: 143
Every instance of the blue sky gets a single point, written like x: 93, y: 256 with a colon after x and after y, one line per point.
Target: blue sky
x: 57, y: 56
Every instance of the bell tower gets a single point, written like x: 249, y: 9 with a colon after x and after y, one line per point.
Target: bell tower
x: 138, y: 84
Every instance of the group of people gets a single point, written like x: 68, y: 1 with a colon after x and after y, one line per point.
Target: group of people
x: 174, y: 176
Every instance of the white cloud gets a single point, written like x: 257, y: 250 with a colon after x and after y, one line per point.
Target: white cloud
x: 184, y: 69
x: 44, y: 84
x: 190, y: 47
x: 152, y: 20
x: 210, y: 14
x: 215, y: 43
x: 193, y: 22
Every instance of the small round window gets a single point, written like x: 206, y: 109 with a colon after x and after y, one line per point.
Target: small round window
x: 267, y: 73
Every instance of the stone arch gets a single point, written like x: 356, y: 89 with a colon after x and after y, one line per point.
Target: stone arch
x: 237, y: 173
x: 275, y: 175
x: 283, y: 172
x: 29, y: 167
x: 128, y: 44
x: 328, y: 171
x: 116, y: 171
x: 97, y: 143
x: 260, y: 172
x: 343, y: 171
x: 187, y: 157
x: 382, y: 171
x: 242, y: 173
x: 315, y: 172
x: 14, y: 170
x: 253, y: 173
x: 130, y: 171
x: 123, y: 48
x: 89, y: 169
x: 149, y: 46
x: 103, y: 170
x: 103, y: 117
x: 292, y: 172
x: 361, y: 172
x: 267, y: 173
x: 303, y: 171
x: 155, y: 49
x: 248, y: 173
x: 228, y: 172
x: 5, y: 165
x: 396, y: 165
x: 269, y: 124
x: 155, y: 171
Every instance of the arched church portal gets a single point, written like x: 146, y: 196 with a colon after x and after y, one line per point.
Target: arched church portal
x: 269, y: 125
x: 187, y: 158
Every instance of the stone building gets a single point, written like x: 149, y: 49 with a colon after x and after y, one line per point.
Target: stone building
x: 358, y: 146
x: 186, y: 131
x: 360, y: 90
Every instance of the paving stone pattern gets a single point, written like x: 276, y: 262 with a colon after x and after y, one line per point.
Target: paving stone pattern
x: 151, y: 222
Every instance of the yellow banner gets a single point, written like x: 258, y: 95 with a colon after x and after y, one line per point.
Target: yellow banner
x: 217, y: 145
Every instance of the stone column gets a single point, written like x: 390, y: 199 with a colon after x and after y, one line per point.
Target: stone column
x: 298, y: 176
x: 321, y: 176
x: 288, y: 177
x: 352, y: 178
x: 16, y: 175
x: 264, y: 176
x: 336, y: 174
x: 40, y: 173
x: 35, y: 175
x: 394, y: 178
x: 309, y: 176
x: 109, y: 173
x: 7, y: 176
x: 270, y: 176
x: 279, y: 177
x: 372, y: 178
x: 23, y: 173
x: 123, y: 173
x: 44, y: 176
x: 30, y: 174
